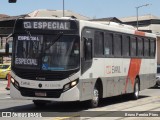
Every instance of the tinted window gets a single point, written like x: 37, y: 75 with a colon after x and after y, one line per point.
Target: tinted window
x: 125, y: 46
x: 140, y: 46
x: 146, y: 47
x: 108, y: 44
x: 117, y: 45
x: 88, y: 49
x: 152, y: 48
x: 99, y: 43
x: 133, y: 46
x: 4, y: 66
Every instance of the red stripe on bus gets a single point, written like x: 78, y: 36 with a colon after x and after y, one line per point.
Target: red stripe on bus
x: 133, y: 71
x: 139, y: 33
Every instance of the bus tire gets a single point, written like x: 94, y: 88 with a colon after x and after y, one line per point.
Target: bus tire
x: 135, y: 94
x: 94, y: 102
x: 39, y: 103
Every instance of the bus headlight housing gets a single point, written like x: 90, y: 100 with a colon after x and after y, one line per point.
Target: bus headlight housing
x: 12, y: 80
x: 70, y: 85
x: 15, y: 83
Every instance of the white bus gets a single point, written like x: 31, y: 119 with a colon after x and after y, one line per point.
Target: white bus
x: 64, y: 59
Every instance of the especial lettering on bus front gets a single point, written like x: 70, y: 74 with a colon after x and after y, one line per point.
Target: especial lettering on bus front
x: 27, y: 49
x: 54, y: 25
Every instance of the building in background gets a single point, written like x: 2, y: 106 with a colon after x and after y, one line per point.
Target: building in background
x: 57, y: 13
x: 6, y: 27
x: 148, y: 23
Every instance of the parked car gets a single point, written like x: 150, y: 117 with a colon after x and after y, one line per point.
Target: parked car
x: 158, y: 76
x: 4, y: 70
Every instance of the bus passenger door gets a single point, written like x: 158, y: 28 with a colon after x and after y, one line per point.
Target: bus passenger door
x: 86, y: 63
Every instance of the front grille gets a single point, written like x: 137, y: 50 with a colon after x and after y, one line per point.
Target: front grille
x: 38, y: 74
x: 49, y: 93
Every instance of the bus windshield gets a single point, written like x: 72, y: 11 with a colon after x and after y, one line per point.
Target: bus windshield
x: 47, y: 52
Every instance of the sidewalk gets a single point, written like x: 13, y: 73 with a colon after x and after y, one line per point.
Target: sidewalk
x: 3, y: 84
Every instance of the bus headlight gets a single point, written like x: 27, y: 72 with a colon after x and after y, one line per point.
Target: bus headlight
x: 73, y: 83
x: 12, y: 80
x: 70, y: 85
x: 15, y: 83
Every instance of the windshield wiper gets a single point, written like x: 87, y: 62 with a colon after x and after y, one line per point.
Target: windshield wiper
x: 54, y: 41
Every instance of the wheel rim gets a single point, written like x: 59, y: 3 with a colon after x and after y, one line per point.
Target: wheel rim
x: 136, y: 90
x: 95, y: 96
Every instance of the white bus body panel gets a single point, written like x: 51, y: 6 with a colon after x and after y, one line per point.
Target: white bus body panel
x: 113, y: 73
x: 72, y: 94
x: 116, y: 83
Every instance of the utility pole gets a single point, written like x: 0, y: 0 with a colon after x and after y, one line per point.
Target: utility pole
x: 137, y: 12
x: 63, y: 8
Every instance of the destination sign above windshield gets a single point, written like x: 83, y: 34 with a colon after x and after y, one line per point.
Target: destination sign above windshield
x: 47, y: 25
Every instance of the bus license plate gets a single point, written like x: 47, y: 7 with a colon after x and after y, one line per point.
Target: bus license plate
x: 40, y: 94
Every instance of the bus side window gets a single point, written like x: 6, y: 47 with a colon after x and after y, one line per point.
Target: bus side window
x: 88, y: 49
x: 108, y: 41
x: 117, y: 44
x: 146, y: 47
x: 140, y: 47
x: 98, y: 44
x: 152, y: 48
x: 133, y: 46
x: 125, y: 46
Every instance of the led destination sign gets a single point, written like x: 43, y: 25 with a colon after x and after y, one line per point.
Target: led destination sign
x: 48, y: 25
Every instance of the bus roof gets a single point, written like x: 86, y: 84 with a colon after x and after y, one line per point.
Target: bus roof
x: 117, y: 27
x: 111, y: 26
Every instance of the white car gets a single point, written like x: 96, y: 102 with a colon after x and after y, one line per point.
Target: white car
x: 158, y: 76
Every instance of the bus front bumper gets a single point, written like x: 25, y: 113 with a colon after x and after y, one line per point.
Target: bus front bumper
x: 72, y: 94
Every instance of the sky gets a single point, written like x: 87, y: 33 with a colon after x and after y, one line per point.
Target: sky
x: 89, y: 8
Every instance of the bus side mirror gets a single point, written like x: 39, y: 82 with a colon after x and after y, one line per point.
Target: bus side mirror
x: 7, y: 48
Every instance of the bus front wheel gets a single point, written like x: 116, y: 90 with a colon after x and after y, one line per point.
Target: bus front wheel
x: 95, y: 97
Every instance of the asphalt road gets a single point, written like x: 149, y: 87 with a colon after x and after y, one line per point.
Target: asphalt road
x: 149, y: 101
